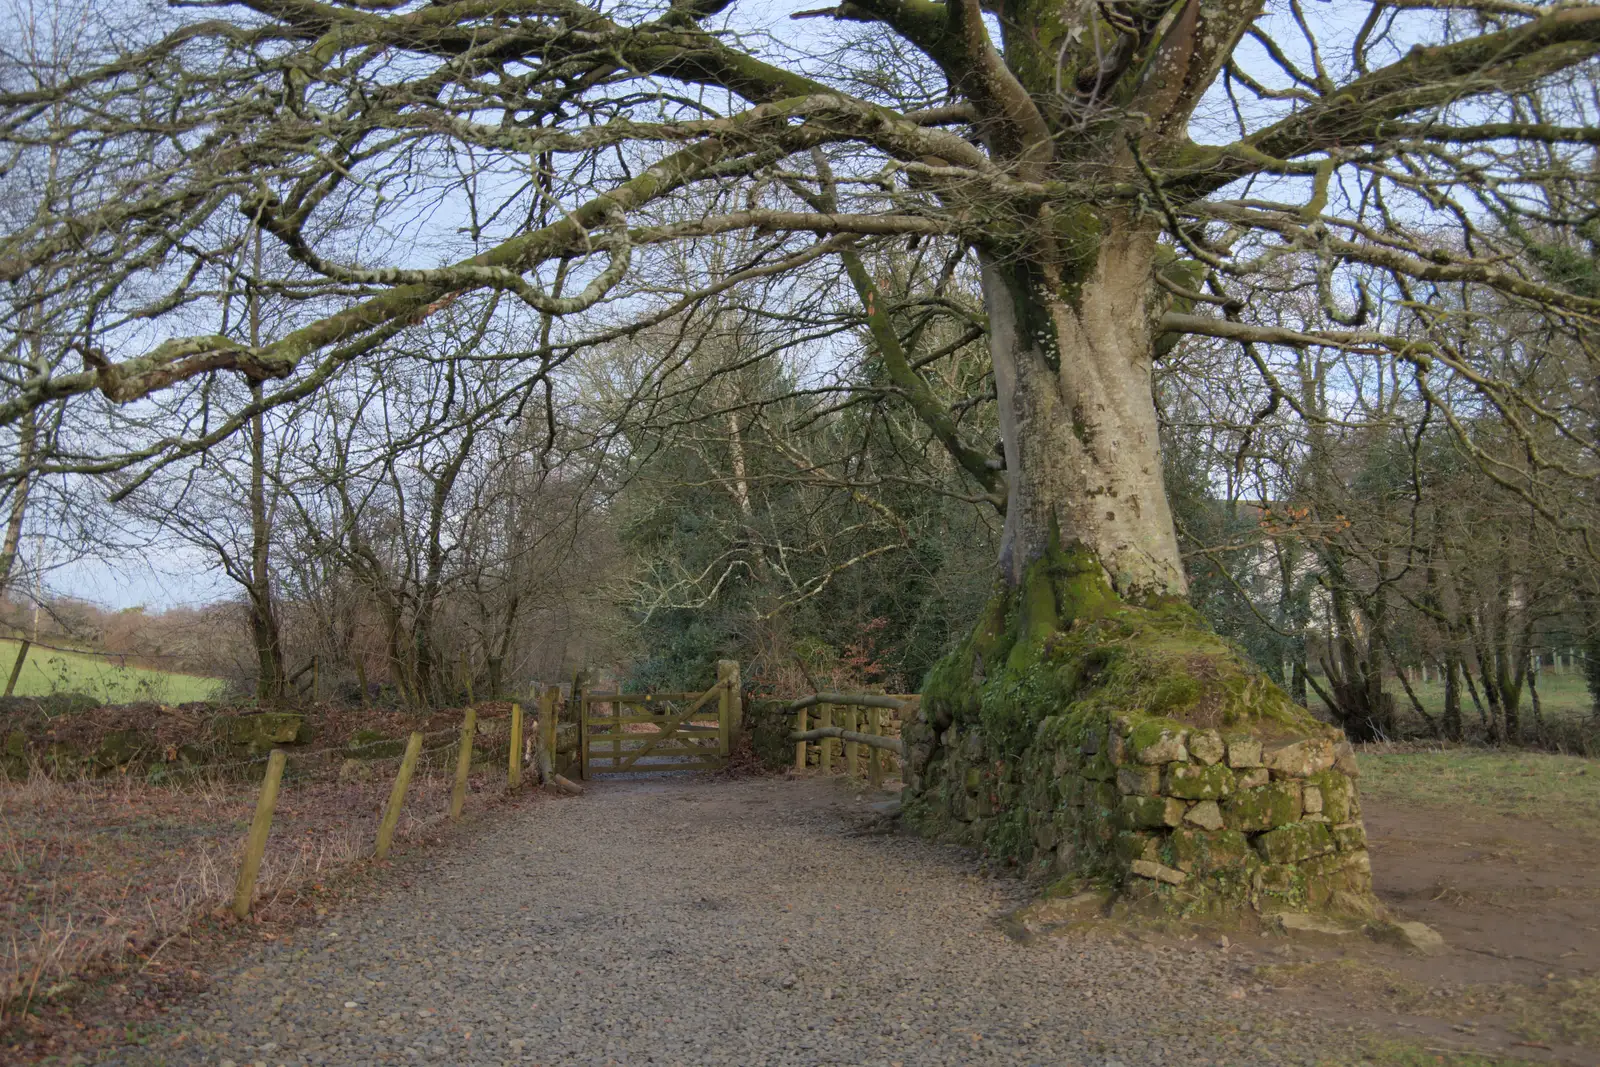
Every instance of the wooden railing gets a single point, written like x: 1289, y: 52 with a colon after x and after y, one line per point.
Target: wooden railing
x: 852, y: 708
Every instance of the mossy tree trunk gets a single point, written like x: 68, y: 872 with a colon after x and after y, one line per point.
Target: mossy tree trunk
x: 1072, y: 348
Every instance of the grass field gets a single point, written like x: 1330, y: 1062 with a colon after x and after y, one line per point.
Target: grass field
x: 1564, y: 790
x: 1561, y: 696
x: 47, y: 671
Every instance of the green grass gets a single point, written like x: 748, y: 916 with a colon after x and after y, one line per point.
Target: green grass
x: 1561, y: 696
x: 1564, y: 790
x: 47, y: 672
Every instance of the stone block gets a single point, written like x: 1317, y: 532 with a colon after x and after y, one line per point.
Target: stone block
x: 1100, y: 768
x: 1202, y: 850
x: 1158, y: 871
x: 119, y: 748
x: 1206, y: 747
x: 1311, y: 799
x: 1206, y: 815
x: 1091, y: 742
x: 1299, y: 759
x: 1154, y: 744
x: 1265, y: 807
x: 1138, y: 781
x: 1253, y: 777
x: 1292, y: 844
x: 1350, y: 836
x: 1148, y: 813
x: 1116, y: 747
x: 972, y: 780
x: 1130, y: 845
x: 1101, y: 798
x: 1244, y: 753
x: 1336, y: 790
x: 1276, y: 878
x: 263, y: 729
x: 1344, y: 760
x: 1192, y: 782
x: 1418, y: 937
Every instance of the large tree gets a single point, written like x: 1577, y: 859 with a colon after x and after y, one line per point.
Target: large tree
x: 1122, y: 174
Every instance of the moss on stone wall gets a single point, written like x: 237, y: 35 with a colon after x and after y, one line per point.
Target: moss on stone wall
x: 1081, y: 736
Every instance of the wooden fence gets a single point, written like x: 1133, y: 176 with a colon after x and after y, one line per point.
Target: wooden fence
x: 869, y: 721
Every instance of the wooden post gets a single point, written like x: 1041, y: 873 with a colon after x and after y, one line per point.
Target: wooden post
x: 458, y: 796
x: 729, y: 704
x: 514, y: 769
x: 874, y: 755
x: 16, y: 668
x: 580, y: 683
x: 547, y: 726
x: 852, y: 749
x: 361, y: 678
x: 255, y: 845
x: 800, y: 746
x: 397, y: 796
x: 825, y: 746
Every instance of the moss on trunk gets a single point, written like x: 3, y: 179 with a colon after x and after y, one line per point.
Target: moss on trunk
x: 1084, y: 737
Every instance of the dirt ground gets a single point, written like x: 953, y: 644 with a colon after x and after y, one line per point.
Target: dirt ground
x: 1515, y: 899
x: 1514, y: 895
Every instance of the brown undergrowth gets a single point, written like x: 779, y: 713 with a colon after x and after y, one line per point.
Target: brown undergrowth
x: 113, y: 887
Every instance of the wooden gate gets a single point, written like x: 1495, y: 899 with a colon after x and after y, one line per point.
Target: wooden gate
x: 633, y: 733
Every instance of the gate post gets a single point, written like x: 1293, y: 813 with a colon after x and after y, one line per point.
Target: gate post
x: 730, y: 706
x: 580, y: 683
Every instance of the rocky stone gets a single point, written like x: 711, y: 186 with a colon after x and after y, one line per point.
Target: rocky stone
x: 1153, y: 742
x: 1292, y: 844
x: 1265, y: 807
x: 1344, y: 760
x: 1206, y: 747
x: 1276, y: 878
x: 1206, y: 815
x: 1139, y: 781
x: 1130, y: 845
x: 1253, y: 777
x: 262, y: 729
x: 1091, y: 743
x: 1350, y: 836
x: 1337, y: 790
x: 1299, y: 759
x: 1148, y: 813
x: 1415, y: 936
x: 1193, y: 782
x: 1311, y: 799
x: 1244, y: 753
x: 1295, y: 922
x: 1203, y: 851
x: 1158, y: 871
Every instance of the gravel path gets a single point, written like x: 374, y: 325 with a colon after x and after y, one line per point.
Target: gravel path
x: 708, y: 922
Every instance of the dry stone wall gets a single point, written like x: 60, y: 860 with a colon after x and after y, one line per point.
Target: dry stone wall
x: 1195, y: 820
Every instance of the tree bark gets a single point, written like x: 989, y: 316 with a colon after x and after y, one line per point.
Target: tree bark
x: 1078, y: 422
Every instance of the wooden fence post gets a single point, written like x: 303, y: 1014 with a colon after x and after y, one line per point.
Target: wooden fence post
x: 852, y: 749
x: 875, y: 755
x: 729, y: 703
x: 800, y: 746
x: 514, y: 769
x: 580, y: 684
x: 16, y: 668
x: 825, y: 746
x: 458, y: 795
x: 255, y: 845
x: 547, y: 727
x: 397, y: 796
